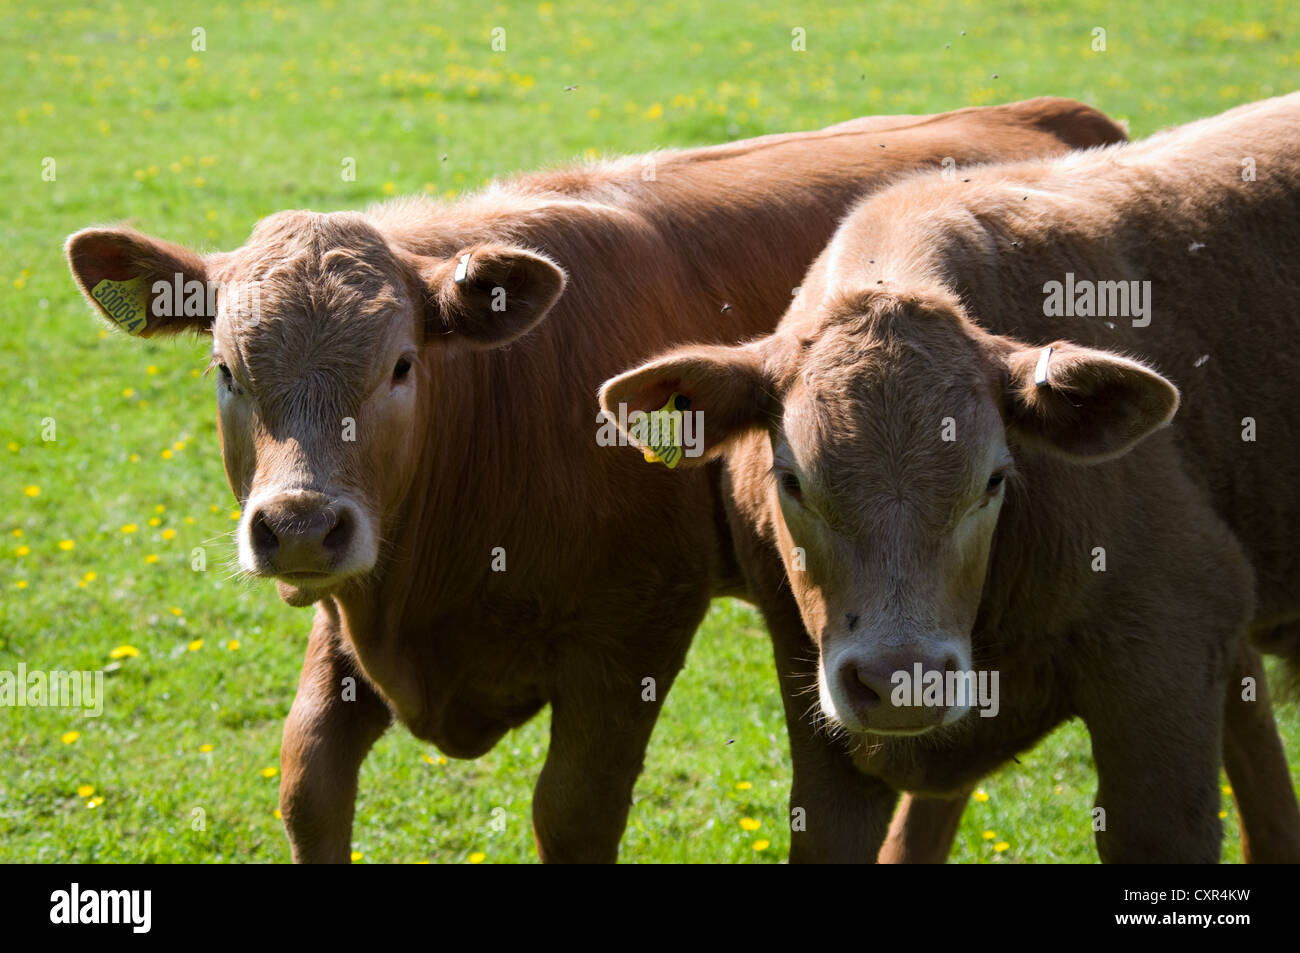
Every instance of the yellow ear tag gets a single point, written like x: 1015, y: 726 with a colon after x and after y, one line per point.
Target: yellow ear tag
x: 665, y: 432
x: 126, y: 302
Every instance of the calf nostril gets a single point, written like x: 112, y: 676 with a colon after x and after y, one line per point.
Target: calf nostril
x: 852, y: 620
x: 866, y: 693
x: 264, y: 538
x: 859, y: 686
x: 341, y: 534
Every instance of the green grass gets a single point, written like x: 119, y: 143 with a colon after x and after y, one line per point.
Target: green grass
x: 196, y: 146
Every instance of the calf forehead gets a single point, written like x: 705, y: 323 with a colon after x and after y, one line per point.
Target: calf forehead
x: 896, y: 413
x: 311, y: 299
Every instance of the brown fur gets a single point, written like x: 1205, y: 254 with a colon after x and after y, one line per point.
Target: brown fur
x: 929, y: 304
x: 489, y: 441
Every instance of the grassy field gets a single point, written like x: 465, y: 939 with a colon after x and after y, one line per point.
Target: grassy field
x: 100, y: 524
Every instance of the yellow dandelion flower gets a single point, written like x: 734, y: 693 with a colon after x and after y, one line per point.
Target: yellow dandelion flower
x: 167, y: 454
x: 155, y: 521
x: 90, y: 577
x: 95, y: 802
x: 233, y: 645
x: 981, y: 796
x: 1058, y: 789
x: 1227, y: 789
x: 69, y: 737
x: 129, y: 392
x: 750, y: 824
x: 989, y: 835
x: 134, y: 458
x: 743, y: 786
x: 32, y: 490
x: 389, y: 188
x: 21, y: 584
x: 86, y: 790
x: 23, y: 550
x: 189, y: 521
x: 169, y: 534
x: 276, y: 814
x: 1222, y: 815
x: 477, y: 857
x: 175, y: 611
x: 18, y: 532
x: 270, y: 772
x: 160, y: 508
x: 195, y: 645
x: 762, y: 844
x: 151, y: 558
x: 125, y: 651
x: 13, y: 447
x: 129, y: 528
x: 1000, y: 846
x: 356, y: 855
x: 205, y: 748
x: 66, y: 544
x: 214, y: 508
x: 178, y: 445
x: 235, y: 514
x: 151, y: 369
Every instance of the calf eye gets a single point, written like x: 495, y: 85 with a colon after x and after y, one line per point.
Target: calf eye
x: 790, y: 483
x: 225, y: 373
x: 402, y: 369
x: 995, y: 481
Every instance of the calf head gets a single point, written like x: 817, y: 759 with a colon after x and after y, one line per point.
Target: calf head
x: 881, y: 436
x: 325, y: 340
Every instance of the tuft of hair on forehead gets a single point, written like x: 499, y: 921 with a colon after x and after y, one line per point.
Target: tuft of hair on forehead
x: 858, y: 330
x: 312, y: 266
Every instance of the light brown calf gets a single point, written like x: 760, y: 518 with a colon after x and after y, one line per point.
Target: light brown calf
x: 415, y: 448
x: 955, y: 476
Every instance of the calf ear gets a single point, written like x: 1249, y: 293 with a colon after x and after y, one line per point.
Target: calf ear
x: 727, y: 386
x: 1085, y: 404
x: 117, y: 269
x: 490, y: 294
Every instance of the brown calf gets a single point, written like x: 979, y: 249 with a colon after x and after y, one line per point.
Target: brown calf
x: 955, y: 476
x: 441, y: 497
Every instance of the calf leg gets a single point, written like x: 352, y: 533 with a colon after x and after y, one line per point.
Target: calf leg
x: 326, y: 737
x: 601, y: 722
x: 1157, y: 742
x: 923, y: 830
x: 838, y: 813
x: 1257, y: 768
